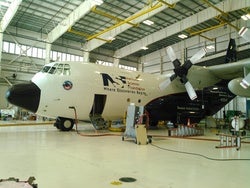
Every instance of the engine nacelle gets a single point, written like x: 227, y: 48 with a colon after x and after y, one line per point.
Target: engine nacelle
x: 235, y: 87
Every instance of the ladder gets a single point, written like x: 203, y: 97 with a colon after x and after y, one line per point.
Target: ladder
x: 229, y: 141
x: 98, y: 122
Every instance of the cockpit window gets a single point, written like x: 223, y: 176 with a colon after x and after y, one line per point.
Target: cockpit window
x: 45, y: 69
x: 57, y: 68
x: 52, y: 70
x: 66, y: 70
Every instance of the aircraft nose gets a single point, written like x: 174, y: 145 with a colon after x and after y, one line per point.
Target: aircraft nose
x: 25, y: 95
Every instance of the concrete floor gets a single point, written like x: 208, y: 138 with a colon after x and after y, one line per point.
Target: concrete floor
x: 65, y: 159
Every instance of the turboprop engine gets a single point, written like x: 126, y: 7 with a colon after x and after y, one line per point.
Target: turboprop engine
x: 235, y: 87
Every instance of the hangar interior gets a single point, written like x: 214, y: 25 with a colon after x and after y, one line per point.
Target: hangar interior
x: 132, y: 35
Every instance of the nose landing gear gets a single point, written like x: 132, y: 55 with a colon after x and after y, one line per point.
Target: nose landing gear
x: 64, y: 124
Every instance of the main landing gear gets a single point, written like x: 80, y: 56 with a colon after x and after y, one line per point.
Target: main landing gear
x: 64, y: 124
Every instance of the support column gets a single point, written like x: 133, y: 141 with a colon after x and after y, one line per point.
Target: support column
x: 48, y: 50
x: 1, y: 49
x: 86, y: 56
x: 248, y: 108
x: 116, y: 62
x: 161, y: 65
x: 140, y: 65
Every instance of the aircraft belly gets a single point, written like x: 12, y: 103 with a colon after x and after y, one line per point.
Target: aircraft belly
x: 178, y: 108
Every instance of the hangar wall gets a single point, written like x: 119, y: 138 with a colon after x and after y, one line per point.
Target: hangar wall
x: 3, y: 102
x: 28, y: 66
x: 238, y: 104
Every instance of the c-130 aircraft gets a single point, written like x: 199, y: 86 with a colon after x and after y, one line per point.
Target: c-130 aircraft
x: 192, y: 92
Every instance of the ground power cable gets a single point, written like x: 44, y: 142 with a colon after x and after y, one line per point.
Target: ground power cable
x: 197, y: 154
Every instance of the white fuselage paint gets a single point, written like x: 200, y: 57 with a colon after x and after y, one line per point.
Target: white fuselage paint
x: 130, y: 87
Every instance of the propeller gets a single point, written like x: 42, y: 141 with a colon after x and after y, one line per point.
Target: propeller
x: 181, y: 71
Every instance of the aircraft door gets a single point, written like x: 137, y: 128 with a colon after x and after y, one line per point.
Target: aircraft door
x: 98, y: 104
x: 96, y: 111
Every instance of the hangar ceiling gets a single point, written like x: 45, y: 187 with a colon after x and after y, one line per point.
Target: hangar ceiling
x: 117, y: 24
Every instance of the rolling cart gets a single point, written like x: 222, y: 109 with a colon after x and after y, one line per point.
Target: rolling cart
x: 138, y: 132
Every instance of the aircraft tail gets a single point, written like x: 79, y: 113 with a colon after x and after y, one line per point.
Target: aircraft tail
x: 231, y: 55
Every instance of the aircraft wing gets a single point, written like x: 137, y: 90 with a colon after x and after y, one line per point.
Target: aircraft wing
x: 235, y: 72
x: 230, y: 70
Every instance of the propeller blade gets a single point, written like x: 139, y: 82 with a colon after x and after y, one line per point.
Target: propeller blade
x: 171, y: 53
x: 198, y: 55
x: 190, y: 90
x: 164, y: 84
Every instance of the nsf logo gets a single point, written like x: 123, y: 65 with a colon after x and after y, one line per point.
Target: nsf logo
x: 67, y: 85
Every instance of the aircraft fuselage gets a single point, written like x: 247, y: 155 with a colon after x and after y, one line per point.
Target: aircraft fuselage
x: 97, y: 89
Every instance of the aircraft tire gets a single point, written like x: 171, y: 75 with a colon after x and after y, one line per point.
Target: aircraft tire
x: 65, y: 124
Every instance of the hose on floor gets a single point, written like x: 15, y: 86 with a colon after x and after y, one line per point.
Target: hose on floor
x: 197, y: 154
x: 89, y: 135
x: 154, y: 145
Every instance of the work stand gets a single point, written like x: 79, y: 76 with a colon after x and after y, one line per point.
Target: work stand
x: 135, y: 130
x: 138, y: 133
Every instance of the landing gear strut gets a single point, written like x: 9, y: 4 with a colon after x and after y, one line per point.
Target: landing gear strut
x: 64, y: 124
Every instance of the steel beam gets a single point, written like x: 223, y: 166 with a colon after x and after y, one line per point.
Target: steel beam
x: 123, y: 26
x: 209, y: 13
x: 9, y: 14
x: 74, y: 16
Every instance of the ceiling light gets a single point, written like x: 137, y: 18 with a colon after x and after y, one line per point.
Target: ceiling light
x: 144, y: 47
x: 210, y: 47
x: 4, y: 4
x: 245, y: 17
x: 98, y: 2
x: 148, y: 22
x: 182, y: 36
x: 111, y: 38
